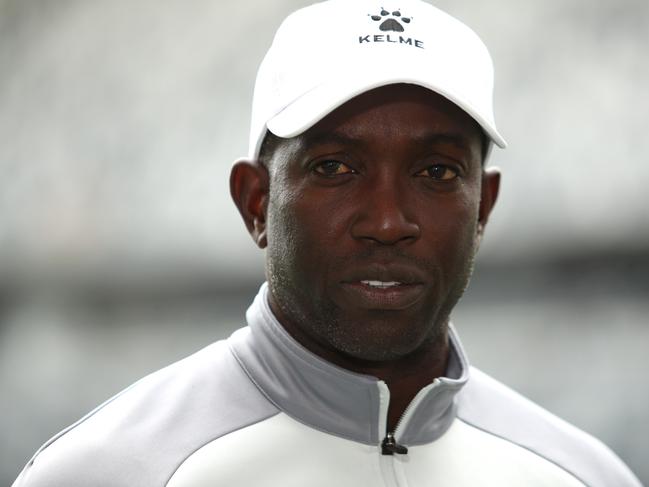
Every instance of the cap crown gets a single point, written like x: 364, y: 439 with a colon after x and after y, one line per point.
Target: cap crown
x: 325, y: 54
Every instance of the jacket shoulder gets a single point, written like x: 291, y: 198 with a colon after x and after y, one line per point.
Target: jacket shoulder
x: 489, y: 405
x: 141, y: 435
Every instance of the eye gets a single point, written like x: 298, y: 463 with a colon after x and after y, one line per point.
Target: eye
x: 439, y: 172
x: 333, y: 168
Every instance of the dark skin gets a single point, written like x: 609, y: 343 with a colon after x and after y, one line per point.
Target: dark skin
x: 371, y: 220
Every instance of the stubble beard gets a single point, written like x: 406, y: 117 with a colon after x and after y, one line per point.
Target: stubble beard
x: 323, y: 321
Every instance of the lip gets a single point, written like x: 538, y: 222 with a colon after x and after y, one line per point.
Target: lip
x: 389, y: 298
x: 358, y: 290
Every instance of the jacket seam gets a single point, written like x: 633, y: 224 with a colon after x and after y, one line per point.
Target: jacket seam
x: 191, y: 453
x: 524, y: 447
x: 78, y: 423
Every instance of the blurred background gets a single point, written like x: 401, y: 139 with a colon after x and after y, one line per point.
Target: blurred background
x: 120, y: 251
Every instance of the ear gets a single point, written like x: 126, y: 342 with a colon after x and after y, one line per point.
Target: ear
x: 488, y: 196
x: 249, y: 183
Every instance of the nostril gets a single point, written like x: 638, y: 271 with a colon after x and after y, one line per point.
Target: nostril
x: 385, y: 224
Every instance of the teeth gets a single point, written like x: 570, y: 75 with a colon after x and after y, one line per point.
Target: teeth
x: 381, y: 284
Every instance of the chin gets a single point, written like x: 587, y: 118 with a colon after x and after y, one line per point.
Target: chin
x: 383, y: 340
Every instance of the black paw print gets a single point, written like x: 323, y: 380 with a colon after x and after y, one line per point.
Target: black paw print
x: 391, y: 24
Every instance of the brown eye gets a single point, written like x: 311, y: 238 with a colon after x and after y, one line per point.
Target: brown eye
x: 439, y: 172
x: 332, y: 168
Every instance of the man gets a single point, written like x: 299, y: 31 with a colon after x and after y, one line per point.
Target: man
x: 367, y: 186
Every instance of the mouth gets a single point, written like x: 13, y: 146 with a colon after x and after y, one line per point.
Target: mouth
x: 381, y: 284
x: 373, y: 294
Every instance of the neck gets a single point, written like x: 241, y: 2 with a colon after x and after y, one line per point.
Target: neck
x: 406, y: 376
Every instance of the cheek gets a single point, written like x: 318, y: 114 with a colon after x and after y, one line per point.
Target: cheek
x: 297, y: 233
x: 466, y: 219
x: 303, y: 245
x: 468, y: 211
x: 282, y: 228
x: 451, y: 227
x: 312, y: 220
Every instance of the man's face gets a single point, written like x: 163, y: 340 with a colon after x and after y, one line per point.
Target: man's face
x: 372, y: 221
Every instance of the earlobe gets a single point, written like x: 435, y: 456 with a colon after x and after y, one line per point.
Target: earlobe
x: 488, y: 197
x: 249, y: 183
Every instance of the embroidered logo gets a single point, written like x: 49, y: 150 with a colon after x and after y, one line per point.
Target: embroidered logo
x: 391, y: 20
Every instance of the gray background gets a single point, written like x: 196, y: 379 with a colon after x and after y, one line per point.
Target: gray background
x: 121, y: 252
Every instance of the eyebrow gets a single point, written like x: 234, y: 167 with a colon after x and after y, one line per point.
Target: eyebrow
x: 458, y: 140
x: 331, y: 137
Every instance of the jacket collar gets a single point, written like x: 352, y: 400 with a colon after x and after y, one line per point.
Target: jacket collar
x: 335, y: 400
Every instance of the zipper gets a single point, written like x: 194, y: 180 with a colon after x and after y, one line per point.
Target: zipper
x: 390, y: 461
x: 390, y: 445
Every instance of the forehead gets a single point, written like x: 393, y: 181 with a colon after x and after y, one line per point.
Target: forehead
x: 394, y: 114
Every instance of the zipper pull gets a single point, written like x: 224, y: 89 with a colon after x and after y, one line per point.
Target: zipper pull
x: 389, y: 446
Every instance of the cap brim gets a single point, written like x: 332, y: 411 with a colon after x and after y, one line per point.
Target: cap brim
x: 313, y: 106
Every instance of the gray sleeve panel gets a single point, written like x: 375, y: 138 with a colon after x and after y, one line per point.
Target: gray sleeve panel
x: 494, y: 408
x: 142, y: 435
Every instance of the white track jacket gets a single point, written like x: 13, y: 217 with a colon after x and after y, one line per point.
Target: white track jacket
x: 259, y: 410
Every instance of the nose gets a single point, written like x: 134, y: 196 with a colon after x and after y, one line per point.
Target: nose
x: 385, y: 215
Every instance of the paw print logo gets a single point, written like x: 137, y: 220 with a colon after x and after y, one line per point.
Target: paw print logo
x: 391, y: 21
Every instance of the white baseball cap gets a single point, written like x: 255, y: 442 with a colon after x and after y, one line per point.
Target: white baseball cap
x: 326, y: 54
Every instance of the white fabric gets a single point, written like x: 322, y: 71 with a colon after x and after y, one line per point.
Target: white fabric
x: 325, y: 54
x: 283, y: 452
x: 260, y: 410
